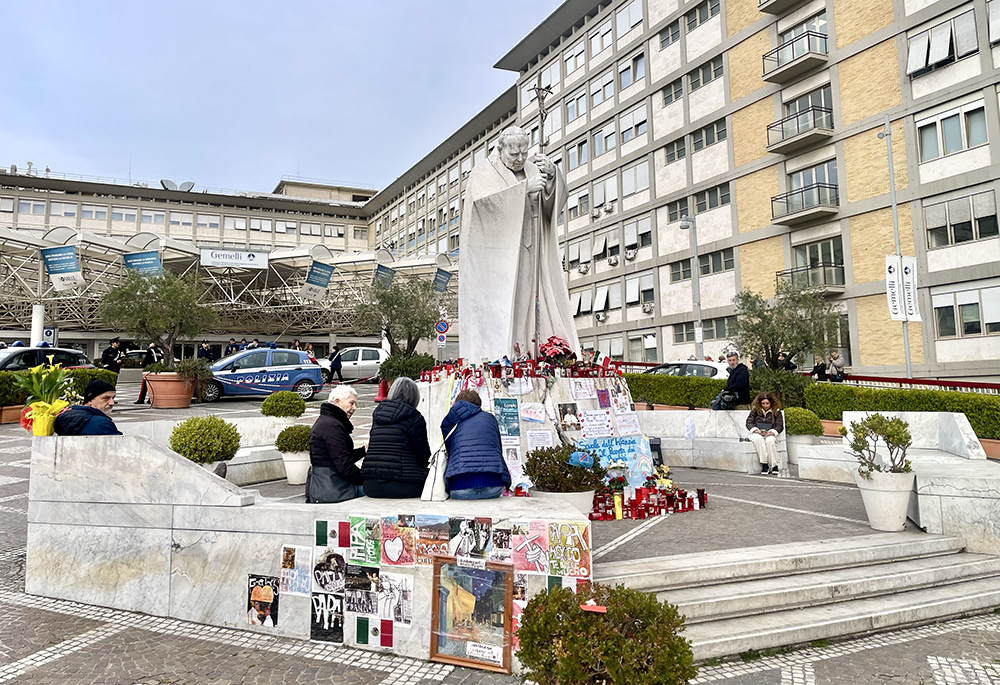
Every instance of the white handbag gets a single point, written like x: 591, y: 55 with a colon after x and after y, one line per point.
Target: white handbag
x: 435, y: 488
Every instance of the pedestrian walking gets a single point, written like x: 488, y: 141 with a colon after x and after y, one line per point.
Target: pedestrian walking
x: 154, y: 355
x: 335, y: 365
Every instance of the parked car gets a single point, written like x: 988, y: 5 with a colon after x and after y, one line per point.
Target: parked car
x: 693, y: 368
x: 357, y: 362
x: 262, y: 372
x: 21, y: 358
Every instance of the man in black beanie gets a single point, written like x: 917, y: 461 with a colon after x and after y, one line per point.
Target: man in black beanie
x: 91, y: 417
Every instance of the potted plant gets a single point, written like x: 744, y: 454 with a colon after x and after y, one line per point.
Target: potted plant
x: 801, y: 426
x: 45, y: 386
x: 197, y: 373
x: 293, y: 443
x: 12, y: 398
x: 206, y: 440
x: 567, y: 473
x: 398, y: 365
x: 885, y: 481
x: 284, y: 404
x: 166, y: 309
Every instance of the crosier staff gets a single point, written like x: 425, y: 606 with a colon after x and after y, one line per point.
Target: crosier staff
x: 541, y: 92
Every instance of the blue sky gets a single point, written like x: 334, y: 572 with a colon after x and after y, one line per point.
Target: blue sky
x: 236, y: 94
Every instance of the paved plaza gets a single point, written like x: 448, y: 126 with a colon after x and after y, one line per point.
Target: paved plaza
x: 64, y: 643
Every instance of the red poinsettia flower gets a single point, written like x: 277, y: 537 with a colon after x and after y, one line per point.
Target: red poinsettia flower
x: 26, y: 421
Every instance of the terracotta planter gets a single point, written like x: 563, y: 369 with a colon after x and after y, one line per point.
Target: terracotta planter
x: 296, y: 467
x: 886, y: 497
x: 168, y: 390
x: 643, y: 406
x: 11, y: 414
x: 584, y: 501
x: 670, y: 407
x: 831, y: 428
x: 991, y: 447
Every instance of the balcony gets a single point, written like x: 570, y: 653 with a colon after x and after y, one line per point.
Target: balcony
x: 812, y: 202
x: 829, y: 277
x: 800, y: 130
x: 777, y: 6
x: 796, y: 57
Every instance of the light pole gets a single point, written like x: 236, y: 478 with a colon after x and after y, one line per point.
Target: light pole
x: 686, y: 224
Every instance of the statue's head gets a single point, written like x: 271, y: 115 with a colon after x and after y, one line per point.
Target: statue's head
x: 513, y: 146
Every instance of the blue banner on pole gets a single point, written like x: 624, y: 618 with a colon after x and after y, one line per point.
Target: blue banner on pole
x: 317, y: 281
x: 383, y: 277
x: 441, y: 280
x: 144, y: 263
x: 63, y: 267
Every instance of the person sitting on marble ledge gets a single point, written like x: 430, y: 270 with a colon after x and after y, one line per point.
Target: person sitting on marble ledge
x: 476, y: 468
x: 398, y: 452
x: 334, y: 475
x: 91, y: 417
x: 765, y: 422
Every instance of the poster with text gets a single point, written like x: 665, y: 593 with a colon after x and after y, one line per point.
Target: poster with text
x: 505, y: 411
x: 529, y: 545
x: 539, y: 439
x: 433, y: 532
x: 327, y: 621
x: 634, y: 449
x: 329, y: 569
x: 366, y: 538
x: 262, y: 600
x: 584, y: 389
x: 628, y: 424
x: 520, y: 386
x: 395, y: 597
x: 500, y: 549
x: 296, y: 570
x: 596, y: 423
x: 398, y: 541
x: 361, y: 590
x: 569, y: 549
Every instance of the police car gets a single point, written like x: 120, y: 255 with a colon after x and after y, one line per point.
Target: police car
x: 264, y: 371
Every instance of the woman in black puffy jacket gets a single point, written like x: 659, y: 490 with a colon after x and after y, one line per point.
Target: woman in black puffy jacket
x: 395, y: 464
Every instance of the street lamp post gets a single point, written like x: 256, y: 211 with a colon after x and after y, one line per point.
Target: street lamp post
x: 688, y: 223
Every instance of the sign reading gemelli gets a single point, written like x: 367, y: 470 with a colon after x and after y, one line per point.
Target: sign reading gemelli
x: 233, y: 259
x: 317, y: 281
x: 910, y: 306
x: 894, y: 288
x: 63, y: 267
x: 144, y: 263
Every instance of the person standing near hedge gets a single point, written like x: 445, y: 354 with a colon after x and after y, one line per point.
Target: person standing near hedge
x: 334, y: 475
x: 112, y: 356
x: 836, y: 369
x: 476, y: 468
x: 91, y: 417
x: 398, y: 452
x: 738, y: 382
x: 765, y: 423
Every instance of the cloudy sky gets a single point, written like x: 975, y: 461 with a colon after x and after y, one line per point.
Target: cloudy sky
x: 236, y: 93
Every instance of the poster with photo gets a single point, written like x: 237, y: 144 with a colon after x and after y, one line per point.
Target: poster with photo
x: 520, y: 386
x: 327, y: 621
x: 433, y: 534
x: 596, y: 423
x: 515, y: 464
x: 398, y: 541
x: 329, y: 570
x: 569, y: 417
x: 296, y: 570
x: 366, y: 538
x: 500, y: 549
x: 628, y: 424
x: 620, y: 403
x: 533, y: 412
x: 505, y: 411
x: 520, y: 586
x: 395, y: 597
x: 262, y: 600
x: 569, y: 549
x: 584, y: 389
x: 361, y: 590
x: 471, y: 615
x: 529, y: 544
x: 470, y: 537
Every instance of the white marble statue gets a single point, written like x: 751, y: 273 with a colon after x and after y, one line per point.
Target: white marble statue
x: 510, y: 251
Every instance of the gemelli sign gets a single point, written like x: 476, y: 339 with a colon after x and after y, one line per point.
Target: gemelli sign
x: 233, y: 259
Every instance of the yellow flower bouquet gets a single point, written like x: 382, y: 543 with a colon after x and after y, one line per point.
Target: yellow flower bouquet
x: 45, y: 385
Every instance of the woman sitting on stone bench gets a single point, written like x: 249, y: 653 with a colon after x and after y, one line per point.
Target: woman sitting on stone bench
x: 476, y: 469
x: 396, y: 462
x: 765, y: 423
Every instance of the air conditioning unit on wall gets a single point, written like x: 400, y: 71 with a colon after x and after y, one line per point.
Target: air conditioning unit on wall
x: 613, y: 260
x: 630, y: 254
x: 647, y: 308
x: 584, y: 267
x: 600, y: 317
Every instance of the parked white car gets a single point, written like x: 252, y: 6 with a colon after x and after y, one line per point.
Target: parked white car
x: 356, y: 362
x: 693, y: 368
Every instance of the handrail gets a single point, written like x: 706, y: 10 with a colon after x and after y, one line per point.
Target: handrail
x: 823, y: 268
x: 800, y: 122
x: 922, y: 383
x: 807, y: 197
x: 810, y: 41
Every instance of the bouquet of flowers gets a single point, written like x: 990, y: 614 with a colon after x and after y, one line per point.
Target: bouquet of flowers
x: 45, y: 385
x: 618, y: 464
x: 617, y: 483
x: 557, y: 352
x: 661, y: 478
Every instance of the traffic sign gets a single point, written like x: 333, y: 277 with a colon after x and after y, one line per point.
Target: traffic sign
x: 442, y: 340
x: 441, y: 326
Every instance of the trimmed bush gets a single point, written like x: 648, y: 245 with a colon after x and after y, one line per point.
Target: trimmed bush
x: 293, y: 439
x: 799, y: 421
x: 680, y: 391
x: 549, y: 469
x: 790, y: 387
x: 11, y: 395
x: 205, y: 439
x: 81, y: 377
x: 637, y: 642
x: 831, y: 400
x: 402, y: 364
x: 283, y: 403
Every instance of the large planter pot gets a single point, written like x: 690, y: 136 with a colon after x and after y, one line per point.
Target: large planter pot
x: 584, y: 501
x: 643, y: 406
x: 296, y: 467
x: 11, y: 414
x: 831, y: 428
x: 169, y: 390
x: 991, y: 447
x: 793, y: 443
x: 886, y: 497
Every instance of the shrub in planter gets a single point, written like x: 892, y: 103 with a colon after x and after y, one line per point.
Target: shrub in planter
x: 681, y: 391
x: 293, y: 439
x: 155, y: 367
x: 637, y: 642
x: 401, y: 364
x: 196, y: 371
x: 283, y: 403
x: 800, y: 421
x: 790, y: 387
x: 549, y: 469
x: 865, y: 436
x: 205, y: 439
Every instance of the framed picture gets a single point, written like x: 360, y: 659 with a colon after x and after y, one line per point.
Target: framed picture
x: 472, y: 607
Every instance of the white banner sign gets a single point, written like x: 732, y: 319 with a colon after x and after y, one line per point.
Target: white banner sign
x: 894, y: 287
x: 910, y: 305
x: 233, y: 259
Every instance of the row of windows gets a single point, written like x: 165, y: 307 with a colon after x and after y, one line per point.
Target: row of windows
x: 602, y: 89
x: 952, y: 131
x: 967, y: 313
x: 709, y: 135
x: 703, y: 201
x: 961, y: 220
x: 715, y: 262
x: 712, y: 329
x: 638, y: 233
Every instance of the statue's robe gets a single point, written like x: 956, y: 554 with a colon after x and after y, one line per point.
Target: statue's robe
x: 496, y: 287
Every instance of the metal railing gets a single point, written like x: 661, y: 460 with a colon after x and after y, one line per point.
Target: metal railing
x: 820, y: 274
x: 921, y: 384
x: 801, y: 122
x: 808, y: 42
x: 815, y: 195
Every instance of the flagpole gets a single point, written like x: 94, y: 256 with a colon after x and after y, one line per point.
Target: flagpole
x: 887, y: 134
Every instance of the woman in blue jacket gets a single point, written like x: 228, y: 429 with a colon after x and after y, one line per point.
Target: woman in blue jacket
x: 476, y: 469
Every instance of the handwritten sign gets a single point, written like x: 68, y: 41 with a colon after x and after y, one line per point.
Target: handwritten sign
x: 634, y: 449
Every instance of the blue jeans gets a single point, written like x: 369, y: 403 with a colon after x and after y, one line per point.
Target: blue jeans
x: 477, y: 493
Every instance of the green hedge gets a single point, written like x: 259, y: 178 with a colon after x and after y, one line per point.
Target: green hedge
x: 11, y: 395
x: 831, y: 400
x: 788, y: 386
x: 680, y: 391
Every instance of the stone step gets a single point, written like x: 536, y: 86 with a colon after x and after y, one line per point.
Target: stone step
x: 743, y: 598
x: 710, y: 568
x: 855, y: 617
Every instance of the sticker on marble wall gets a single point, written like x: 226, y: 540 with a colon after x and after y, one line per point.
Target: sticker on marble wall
x: 470, y: 537
x: 604, y: 398
x: 296, y: 570
x: 395, y: 597
x: 533, y: 412
x: 398, y: 540
x: 505, y: 411
x: 361, y: 590
x: 529, y: 546
x: 500, y: 548
x: 433, y: 532
x: 520, y: 586
x: 327, y: 622
x: 628, y: 424
x: 620, y: 403
x: 366, y: 538
x: 329, y: 571
x: 262, y: 600
x: 515, y: 464
x: 569, y: 417
x: 584, y: 389
x: 539, y: 439
x: 569, y: 549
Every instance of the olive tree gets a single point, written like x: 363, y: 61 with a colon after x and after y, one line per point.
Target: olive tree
x: 404, y: 312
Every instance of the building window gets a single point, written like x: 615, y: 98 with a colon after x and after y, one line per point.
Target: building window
x: 283, y: 227
x: 604, y: 140
x: 706, y: 73
x: 601, y: 39
x: 638, y: 233
x: 34, y: 207
x: 577, y: 155
x: 360, y: 233
x: 306, y: 228
x: 443, y: 184
x: 629, y: 17
x: 711, y: 134
x: 634, y: 123
x: 716, y: 262
x: 262, y: 225
x: 642, y: 347
x: 7, y: 205
x: 576, y: 106
x: 467, y: 167
x: 578, y: 204
x: 952, y: 131
x: 639, y: 289
x: 208, y: 221
x: 813, y: 262
x: 575, y: 57
x: 635, y: 179
x: 123, y: 214
x: 181, y: 219
x: 613, y: 347
x: 702, y: 13
x: 234, y: 223
x: 674, y: 151
x: 452, y: 176
x: 961, y: 220
x: 712, y: 329
x: 967, y: 313
x: 602, y: 89
x: 553, y: 122
x: 62, y: 209
x: 815, y: 24
x: 680, y: 271
x: 942, y: 44
x: 677, y: 210
x: 825, y: 173
x: 579, y: 252
x: 605, y: 190
x: 631, y: 71
x: 606, y: 245
x: 671, y: 34
x: 151, y: 216
x: 673, y: 92
x: 711, y: 198
x: 821, y: 97
x: 993, y: 8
